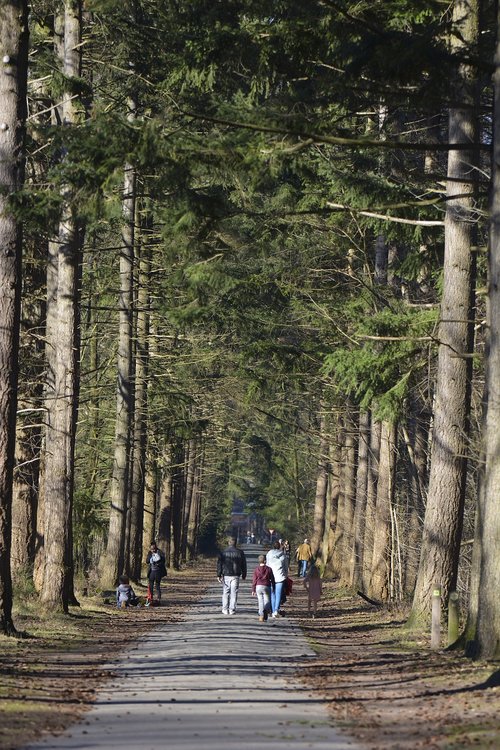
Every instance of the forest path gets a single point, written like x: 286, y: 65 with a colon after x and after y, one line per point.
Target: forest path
x: 210, y: 682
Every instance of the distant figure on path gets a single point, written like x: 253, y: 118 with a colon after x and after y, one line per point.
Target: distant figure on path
x: 262, y: 584
x: 276, y: 560
x: 286, y: 549
x: 125, y: 595
x: 231, y: 565
x: 303, y: 555
x: 314, y: 588
x: 156, y: 570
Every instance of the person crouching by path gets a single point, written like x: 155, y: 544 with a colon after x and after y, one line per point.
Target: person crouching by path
x: 156, y: 570
x: 314, y: 587
x: 262, y: 584
x: 125, y: 595
x: 276, y: 560
x: 231, y: 565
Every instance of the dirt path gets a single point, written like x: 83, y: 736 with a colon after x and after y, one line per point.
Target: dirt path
x: 388, y: 694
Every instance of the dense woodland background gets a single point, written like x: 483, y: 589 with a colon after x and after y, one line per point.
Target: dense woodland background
x: 250, y: 249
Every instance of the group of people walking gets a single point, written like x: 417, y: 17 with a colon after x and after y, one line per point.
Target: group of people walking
x: 270, y: 581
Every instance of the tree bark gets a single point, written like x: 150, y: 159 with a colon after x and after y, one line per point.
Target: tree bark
x: 321, y: 488
x: 361, y: 497
x: 13, y: 78
x: 379, y: 582
x: 349, y: 483
x: 178, y: 496
x: 141, y: 360
x: 30, y: 414
x: 190, y: 464
x: 416, y: 443
x: 57, y: 587
x: 486, y: 555
x: 194, y: 517
x: 339, y: 531
x: 150, y: 502
x: 371, y: 501
x: 114, y: 558
x: 446, y: 495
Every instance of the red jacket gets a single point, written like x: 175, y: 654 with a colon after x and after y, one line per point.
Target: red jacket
x: 262, y: 576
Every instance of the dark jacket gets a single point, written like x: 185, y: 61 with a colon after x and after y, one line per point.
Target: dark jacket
x: 156, y: 567
x: 232, y: 562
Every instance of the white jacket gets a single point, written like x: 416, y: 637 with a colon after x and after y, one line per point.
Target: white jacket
x: 277, y: 561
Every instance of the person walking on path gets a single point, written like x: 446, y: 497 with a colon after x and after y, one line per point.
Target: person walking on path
x: 157, y: 570
x: 304, y: 555
x: 276, y: 560
x: 262, y: 584
x: 314, y: 587
x: 231, y: 565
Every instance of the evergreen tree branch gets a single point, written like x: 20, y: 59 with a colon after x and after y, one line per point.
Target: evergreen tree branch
x: 337, y: 140
x: 386, y: 217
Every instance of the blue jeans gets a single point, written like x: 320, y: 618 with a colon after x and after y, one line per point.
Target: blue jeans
x: 303, y: 568
x: 276, y: 596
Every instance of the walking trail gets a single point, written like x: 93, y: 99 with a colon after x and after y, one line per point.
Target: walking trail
x: 212, y: 681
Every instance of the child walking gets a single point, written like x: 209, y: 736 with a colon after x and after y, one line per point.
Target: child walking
x: 262, y: 582
x: 314, y: 587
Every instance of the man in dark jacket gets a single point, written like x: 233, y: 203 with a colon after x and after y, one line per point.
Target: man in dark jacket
x: 231, y: 565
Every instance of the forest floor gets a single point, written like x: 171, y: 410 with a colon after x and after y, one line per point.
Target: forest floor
x: 384, y: 689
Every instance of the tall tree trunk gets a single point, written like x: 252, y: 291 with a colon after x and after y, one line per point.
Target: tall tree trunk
x: 165, y: 513
x: 113, y: 562
x: 361, y: 497
x: 25, y: 493
x: 29, y: 416
x: 13, y: 77
x: 57, y: 118
x: 486, y: 556
x: 416, y: 443
x: 379, y: 582
x: 150, y: 502
x: 178, y: 495
x: 321, y: 487
x: 339, y: 531
x: 349, y: 484
x: 371, y: 500
x: 57, y: 587
x: 140, y: 402
x: 190, y: 464
x: 332, y: 499
x: 194, y: 517
x: 447, y: 481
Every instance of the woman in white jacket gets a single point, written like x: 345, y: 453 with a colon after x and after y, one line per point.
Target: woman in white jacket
x: 277, y: 561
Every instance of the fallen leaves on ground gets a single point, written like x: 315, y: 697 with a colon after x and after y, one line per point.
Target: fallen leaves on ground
x: 389, y: 692
x: 49, y: 677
